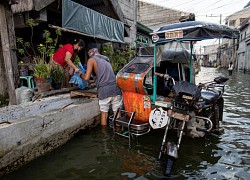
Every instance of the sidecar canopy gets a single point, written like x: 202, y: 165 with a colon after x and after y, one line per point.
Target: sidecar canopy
x: 193, y: 31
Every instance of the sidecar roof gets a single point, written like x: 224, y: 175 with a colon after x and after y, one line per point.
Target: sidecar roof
x: 193, y: 31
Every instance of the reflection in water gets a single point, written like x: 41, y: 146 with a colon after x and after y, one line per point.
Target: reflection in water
x: 98, y: 155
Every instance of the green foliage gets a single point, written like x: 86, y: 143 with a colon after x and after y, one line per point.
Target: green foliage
x: 42, y: 69
x: 57, y: 74
x: 31, y: 22
x: 41, y: 55
x: 118, y: 58
x: 77, y: 61
x: 43, y: 50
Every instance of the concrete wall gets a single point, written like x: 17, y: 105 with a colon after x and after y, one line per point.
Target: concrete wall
x: 237, y: 18
x: 211, y: 51
x: 153, y: 16
x: 234, y: 20
x: 129, y: 11
x: 244, y: 48
x: 38, y: 127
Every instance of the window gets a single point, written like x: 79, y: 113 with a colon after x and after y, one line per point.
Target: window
x: 149, y: 78
x: 232, y: 23
x: 137, y: 68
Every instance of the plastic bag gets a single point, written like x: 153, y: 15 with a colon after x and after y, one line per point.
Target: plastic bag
x: 77, y: 80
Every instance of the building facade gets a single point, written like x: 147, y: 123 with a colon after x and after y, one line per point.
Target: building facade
x: 154, y: 16
x: 210, y: 55
x: 228, y: 51
x: 244, y: 47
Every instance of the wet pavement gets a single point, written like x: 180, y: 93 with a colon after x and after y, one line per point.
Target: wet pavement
x: 96, y: 154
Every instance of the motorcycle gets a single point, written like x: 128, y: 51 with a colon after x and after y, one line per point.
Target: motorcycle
x: 159, y: 90
x: 195, y: 111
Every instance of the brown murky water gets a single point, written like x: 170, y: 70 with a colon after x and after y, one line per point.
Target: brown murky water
x: 98, y: 155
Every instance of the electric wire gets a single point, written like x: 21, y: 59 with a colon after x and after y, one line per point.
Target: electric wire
x: 209, y: 6
x: 205, y: 9
x: 222, y: 6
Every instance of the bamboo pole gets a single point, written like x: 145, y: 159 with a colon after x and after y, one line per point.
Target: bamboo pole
x: 6, y: 53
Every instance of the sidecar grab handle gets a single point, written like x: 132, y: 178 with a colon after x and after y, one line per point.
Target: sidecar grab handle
x: 205, y: 119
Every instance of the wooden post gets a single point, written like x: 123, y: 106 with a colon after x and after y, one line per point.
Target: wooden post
x: 13, y: 47
x: 6, y: 52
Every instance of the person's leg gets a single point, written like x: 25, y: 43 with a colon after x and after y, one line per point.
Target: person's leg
x: 116, y: 104
x: 104, y: 118
x: 104, y: 108
x: 67, y: 76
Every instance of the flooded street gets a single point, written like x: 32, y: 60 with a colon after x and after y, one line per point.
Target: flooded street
x: 97, y: 154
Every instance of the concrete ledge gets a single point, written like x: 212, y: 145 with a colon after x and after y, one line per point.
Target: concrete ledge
x: 42, y: 126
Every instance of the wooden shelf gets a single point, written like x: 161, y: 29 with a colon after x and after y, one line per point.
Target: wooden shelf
x: 84, y: 93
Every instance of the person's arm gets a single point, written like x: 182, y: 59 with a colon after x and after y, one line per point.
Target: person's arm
x: 166, y: 76
x: 69, y: 62
x: 90, y: 67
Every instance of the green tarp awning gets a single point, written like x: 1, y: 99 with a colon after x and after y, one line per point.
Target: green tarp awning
x: 79, y: 18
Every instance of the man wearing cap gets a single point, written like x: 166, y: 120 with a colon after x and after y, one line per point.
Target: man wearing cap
x: 108, y: 91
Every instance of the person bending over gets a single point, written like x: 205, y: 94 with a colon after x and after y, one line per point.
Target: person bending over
x: 108, y: 91
x: 65, y: 55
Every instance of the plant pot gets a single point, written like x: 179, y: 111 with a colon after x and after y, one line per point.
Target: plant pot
x: 43, y: 84
x: 57, y: 85
x: 43, y: 80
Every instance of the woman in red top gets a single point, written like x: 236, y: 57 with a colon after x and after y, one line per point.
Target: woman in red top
x: 65, y: 55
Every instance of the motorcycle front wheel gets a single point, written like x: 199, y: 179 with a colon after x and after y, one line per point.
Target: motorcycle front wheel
x: 169, y: 166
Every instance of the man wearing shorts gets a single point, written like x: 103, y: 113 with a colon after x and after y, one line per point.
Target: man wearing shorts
x: 108, y: 91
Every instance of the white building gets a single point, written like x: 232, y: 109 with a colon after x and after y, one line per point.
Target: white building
x: 210, y: 55
x: 228, y: 49
x: 244, y: 47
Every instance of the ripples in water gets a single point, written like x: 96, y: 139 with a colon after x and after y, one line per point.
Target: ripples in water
x: 99, y: 155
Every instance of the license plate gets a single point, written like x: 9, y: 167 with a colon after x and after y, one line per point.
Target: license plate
x: 176, y: 115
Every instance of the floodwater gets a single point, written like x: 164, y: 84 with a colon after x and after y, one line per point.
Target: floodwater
x: 97, y: 154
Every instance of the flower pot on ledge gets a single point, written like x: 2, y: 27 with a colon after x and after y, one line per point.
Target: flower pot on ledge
x: 57, y: 85
x: 43, y: 84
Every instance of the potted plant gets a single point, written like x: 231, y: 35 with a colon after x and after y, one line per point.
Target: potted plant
x: 42, y: 74
x: 40, y: 55
x: 57, y: 75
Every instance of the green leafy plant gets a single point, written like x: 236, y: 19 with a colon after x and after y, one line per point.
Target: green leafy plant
x: 118, y: 58
x: 77, y: 60
x: 40, y: 55
x: 43, y: 50
x: 57, y: 74
x: 42, y: 69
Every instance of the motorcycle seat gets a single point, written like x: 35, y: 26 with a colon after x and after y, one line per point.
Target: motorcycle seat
x: 210, y: 96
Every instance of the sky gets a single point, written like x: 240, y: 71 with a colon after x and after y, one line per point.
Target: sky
x: 205, y: 10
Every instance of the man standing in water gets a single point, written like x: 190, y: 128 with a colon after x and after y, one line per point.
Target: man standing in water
x: 108, y: 91
x: 230, y: 68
